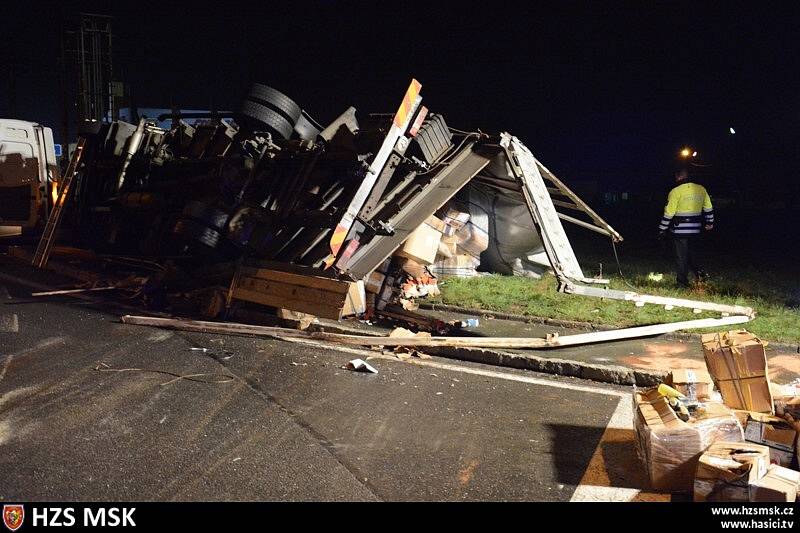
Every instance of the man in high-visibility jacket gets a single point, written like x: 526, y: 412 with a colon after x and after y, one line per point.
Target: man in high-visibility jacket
x: 687, y: 213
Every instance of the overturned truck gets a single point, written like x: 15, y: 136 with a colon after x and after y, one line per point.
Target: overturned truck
x: 325, y: 219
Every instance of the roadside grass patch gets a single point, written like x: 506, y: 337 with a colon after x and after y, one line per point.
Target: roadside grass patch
x: 748, y: 286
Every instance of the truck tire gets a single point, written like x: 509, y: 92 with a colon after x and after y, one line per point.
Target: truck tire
x: 264, y: 116
x: 305, y: 129
x: 276, y: 100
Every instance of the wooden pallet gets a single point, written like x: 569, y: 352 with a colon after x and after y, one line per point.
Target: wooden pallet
x: 306, y: 293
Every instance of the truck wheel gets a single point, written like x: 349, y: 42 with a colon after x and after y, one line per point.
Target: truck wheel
x: 276, y: 100
x: 264, y: 116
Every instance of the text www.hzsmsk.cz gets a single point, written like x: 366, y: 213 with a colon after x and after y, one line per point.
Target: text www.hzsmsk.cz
x: 777, y: 512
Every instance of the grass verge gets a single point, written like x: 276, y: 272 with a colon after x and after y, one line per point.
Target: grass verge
x: 765, y: 292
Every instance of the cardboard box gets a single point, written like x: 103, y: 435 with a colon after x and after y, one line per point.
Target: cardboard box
x: 455, y: 220
x: 779, y: 485
x: 751, y: 394
x: 775, y: 433
x: 436, y: 224
x: 447, y: 248
x: 298, y: 289
x: 734, y: 355
x: 790, y: 406
x: 670, y: 447
x: 783, y: 392
x: 743, y: 416
x: 459, y: 265
x: 787, y: 403
x: 726, y: 470
x: 356, y: 302
x: 694, y: 384
x: 422, y: 245
x: 738, y: 365
x: 472, y: 240
x: 412, y: 268
x: 374, y: 282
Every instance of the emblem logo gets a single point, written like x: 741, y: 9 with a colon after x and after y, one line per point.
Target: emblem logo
x: 13, y: 515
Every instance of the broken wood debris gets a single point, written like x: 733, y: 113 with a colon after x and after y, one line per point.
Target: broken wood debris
x: 202, y: 326
x: 72, y: 291
x: 423, y: 341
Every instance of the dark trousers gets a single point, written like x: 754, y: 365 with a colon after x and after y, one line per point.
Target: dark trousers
x: 685, y: 257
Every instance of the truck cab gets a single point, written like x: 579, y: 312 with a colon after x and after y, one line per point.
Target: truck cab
x: 28, y: 172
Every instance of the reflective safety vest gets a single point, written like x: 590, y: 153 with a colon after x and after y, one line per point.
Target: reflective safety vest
x: 688, y: 209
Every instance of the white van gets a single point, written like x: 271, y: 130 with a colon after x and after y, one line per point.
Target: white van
x: 28, y: 170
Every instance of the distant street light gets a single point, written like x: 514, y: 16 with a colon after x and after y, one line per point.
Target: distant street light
x: 733, y: 131
x: 685, y: 152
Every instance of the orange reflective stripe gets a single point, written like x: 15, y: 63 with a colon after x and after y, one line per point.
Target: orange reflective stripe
x: 407, y: 104
x: 338, y: 238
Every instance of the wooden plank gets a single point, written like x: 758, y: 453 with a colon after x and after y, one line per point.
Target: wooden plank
x: 72, y: 291
x: 301, y: 280
x: 531, y: 343
x: 292, y: 292
x: 316, y: 309
x: 356, y: 302
x: 203, y: 326
x: 302, y: 270
x: 468, y: 342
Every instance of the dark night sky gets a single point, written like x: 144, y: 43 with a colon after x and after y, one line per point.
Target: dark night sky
x: 597, y: 90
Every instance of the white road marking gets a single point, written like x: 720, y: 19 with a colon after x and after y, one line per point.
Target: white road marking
x: 6, y: 364
x: 621, y: 419
x: 623, y: 414
x: 15, y: 393
x: 42, y: 344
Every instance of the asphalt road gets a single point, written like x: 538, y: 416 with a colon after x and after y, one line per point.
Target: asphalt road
x: 286, y: 422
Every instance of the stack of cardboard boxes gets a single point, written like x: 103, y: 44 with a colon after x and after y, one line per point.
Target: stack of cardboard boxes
x: 732, y: 447
x: 447, y: 246
x: 671, y: 447
x: 461, y: 246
